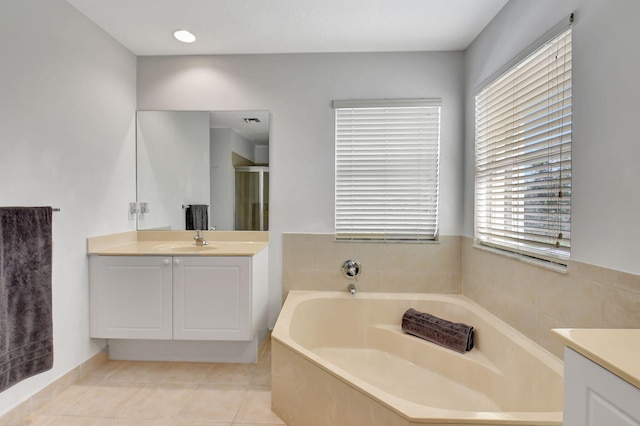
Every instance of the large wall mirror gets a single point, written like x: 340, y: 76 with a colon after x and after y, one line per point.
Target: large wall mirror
x: 203, y: 170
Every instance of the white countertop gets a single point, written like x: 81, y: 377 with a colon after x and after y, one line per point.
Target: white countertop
x: 617, y: 350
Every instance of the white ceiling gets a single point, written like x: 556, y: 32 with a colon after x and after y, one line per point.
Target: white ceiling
x: 254, y: 132
x: 291, y: 26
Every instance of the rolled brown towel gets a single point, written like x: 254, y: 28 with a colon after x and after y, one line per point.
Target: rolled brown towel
x: 452, y: 335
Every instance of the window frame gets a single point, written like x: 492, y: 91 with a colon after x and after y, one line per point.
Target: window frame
x: 560, y: 252
x: 353, y: 213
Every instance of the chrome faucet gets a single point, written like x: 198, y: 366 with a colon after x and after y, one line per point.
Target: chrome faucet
x: 351, y: 269
x: 199, y: 238
x: 352, y: 288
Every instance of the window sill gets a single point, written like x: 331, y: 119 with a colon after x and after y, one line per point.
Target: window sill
x: 388, y: 241
x: 561, y: 269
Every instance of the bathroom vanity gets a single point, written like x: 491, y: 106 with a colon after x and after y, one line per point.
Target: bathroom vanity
x: 160, y: 297
x: 602, y: 377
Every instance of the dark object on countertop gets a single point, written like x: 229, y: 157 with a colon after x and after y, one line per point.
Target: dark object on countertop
x: 26, y: 324
x: 197, y: 217
x: 452, y: 335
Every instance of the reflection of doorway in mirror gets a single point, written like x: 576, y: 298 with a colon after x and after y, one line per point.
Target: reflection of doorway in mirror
x: 252, y: 198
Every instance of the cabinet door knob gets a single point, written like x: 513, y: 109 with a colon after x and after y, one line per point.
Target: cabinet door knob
x: 165, y: 262
x: 176, y: 261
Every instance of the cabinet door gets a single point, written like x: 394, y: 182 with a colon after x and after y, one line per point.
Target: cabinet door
x: 596, y: 397
x: 130, y: 297
x: 212, y: 298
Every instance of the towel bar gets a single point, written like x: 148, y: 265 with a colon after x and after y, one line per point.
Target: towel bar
x: 184, y: 206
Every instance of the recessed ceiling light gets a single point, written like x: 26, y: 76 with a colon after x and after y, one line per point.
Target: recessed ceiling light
x: 184, y: 36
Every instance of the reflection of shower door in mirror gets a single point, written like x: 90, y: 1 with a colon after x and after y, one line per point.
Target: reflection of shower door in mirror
x: 252, y: 199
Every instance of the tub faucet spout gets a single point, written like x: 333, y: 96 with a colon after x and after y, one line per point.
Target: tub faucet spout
x: 352, y: 288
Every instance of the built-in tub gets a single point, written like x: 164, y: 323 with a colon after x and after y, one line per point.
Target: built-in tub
x: 341, y: 359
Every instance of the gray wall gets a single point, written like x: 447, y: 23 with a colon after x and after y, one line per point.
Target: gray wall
x: 298, y: 90
x: 606, y: 66
x: 67, y: 139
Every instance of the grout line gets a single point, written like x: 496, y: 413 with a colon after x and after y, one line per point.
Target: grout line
x: 247, y: 371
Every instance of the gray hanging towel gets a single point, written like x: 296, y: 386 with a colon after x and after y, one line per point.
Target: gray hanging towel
x: 26, y: 324
x: 197, y: 217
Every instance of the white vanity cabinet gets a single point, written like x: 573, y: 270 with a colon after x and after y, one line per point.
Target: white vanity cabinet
x: 131, y: 297
x: 171, y: 297
x: 212, y: 298
x: 596, y: 397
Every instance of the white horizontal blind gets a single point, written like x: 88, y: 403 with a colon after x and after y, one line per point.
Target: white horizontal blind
x: 387, y: 170
x: 523, y: 156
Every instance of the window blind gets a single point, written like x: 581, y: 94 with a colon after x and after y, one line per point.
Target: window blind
x: 523, y: 155
x: 387, y: 155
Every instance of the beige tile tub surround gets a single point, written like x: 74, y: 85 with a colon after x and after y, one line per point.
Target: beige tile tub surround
x: 313, y: 261
x: 534, y: 300
x: 530, y: 298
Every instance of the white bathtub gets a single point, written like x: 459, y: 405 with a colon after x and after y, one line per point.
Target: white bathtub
x: 340, y: 360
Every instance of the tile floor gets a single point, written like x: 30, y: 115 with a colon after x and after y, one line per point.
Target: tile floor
x: 123, y: 393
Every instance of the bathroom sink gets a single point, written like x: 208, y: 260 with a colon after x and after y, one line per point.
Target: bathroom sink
x: 184, y: 247
x: 193, y: 248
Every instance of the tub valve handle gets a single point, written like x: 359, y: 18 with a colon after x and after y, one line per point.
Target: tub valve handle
x: 351, y: 269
